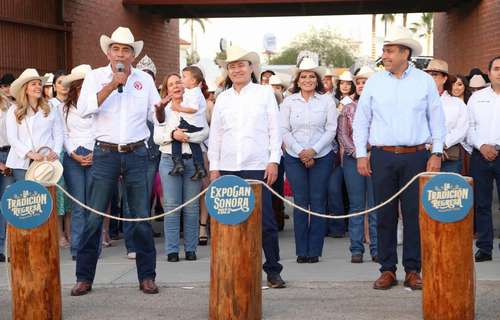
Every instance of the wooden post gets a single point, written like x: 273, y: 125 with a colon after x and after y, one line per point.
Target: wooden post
x: 447, y: 265
x: 35, y: 277
x: 236, y: 267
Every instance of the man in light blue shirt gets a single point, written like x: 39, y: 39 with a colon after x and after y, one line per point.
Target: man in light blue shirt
x: 399, y: 115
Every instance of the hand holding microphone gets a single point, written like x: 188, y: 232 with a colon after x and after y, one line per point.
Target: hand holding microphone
x: 120, y: 77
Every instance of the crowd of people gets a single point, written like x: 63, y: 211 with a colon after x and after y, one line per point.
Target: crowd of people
x: 343, y: 143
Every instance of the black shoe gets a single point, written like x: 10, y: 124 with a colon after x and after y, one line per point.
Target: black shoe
x: 313, y: 260
x: 275, y: 282
x: 2, y: 257
x: 375, y: 259
x: 178, y: 168
x: 336, y: 235
x: 357, y: 258
x: 301, y: 259
x: 115, y: 237
x: 173, y: 257
x: 199, y: 172
x: 190, y: 255
x: 73, y: 258
x: 481, y: 256
x: 156, y: 234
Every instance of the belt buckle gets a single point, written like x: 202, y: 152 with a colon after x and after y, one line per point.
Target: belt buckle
x: 397, y: 150
x: 120, y: 148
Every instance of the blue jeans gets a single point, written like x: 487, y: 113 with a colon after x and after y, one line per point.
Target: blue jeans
x: 176, y: 191
x: 451, y: 166
x: 270, y: 241
x: 4, y: 183
x: 360, y: 193
x: 484, y: 172
x: 77, y: 180
x: 309, y: 187
x: 106, y: 169
x: 336, y: 227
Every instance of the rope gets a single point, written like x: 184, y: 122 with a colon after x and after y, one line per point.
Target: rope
x: 317, y: 214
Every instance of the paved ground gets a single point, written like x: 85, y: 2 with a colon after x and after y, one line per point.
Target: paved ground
x: 331, y: 289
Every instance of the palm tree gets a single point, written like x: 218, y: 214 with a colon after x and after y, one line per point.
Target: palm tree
x: 374, y: 35
x: 387, y: 18
x: 201, y: 22
x: 423, y: 28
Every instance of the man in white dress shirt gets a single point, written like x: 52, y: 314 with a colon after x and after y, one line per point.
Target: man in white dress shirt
x: 122, y: 99
x: 484, y: 136
x: 245, y: 141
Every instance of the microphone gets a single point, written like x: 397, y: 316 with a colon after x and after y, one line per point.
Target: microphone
x: 120, y: 68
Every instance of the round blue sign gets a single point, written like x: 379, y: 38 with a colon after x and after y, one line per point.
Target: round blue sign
x: 230, y: 200
x: 26, y: 204
x: 447, y: 198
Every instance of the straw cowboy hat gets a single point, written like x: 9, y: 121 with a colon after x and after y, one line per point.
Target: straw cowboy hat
x: 364, y: 73
x: 45, y: 172
x: 477, y: 81
x: 236, y: 53
x: 49, y: 79
x: 28, y: 75
x: 346, y: 76
x: 77, y: 73
x: 121, y: 35
x: 403, y: 37
x: 146, y: 64
x: 438, y: 66
x: 308, y: 64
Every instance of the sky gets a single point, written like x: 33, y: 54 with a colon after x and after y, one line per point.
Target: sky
x: 249, y: 32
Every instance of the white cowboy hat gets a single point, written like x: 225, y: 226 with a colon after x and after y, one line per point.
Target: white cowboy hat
x: 329, y: 73
x: 308, y: 64
x: 279, y: 80
x: 403, y: 37
x: 49, y: 79
x: 437, y: 65
x: 346, y: 76
x: 235, y: 53
x: 121, y: 35
x: 477, y: 81
x: 77, y: 73
x: 146, y: 64
x: 27, y: 76
x: 364, y: 73
x: 45, y: 172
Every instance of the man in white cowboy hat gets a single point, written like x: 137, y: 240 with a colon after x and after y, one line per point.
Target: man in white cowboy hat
x: 245, y: 140
x: 122, y: 98
x: 399, y: 112
x: 477, y: 83
x: 484, y: 135
x: 329, y: 83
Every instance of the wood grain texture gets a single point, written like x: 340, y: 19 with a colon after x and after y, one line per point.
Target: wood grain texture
x: 34, y: 261
x: 447, y: 266
x: 236, y: 267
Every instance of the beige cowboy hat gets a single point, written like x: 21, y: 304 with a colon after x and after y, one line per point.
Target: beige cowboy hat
x: 329, y: 73
x: 236, y: 53
x: 279, y: 80
x: 477, y: 81
x: 308, y: 64
x: 28, y: 75
x: 45, y: 172
x: 49, y: 79
x: 403, y: 37
x: 346, y: 76
x: 364, y: 73
x: 437, y: 65
x: 146, y: 64
x: 121, y: 35
x: 77, y: 73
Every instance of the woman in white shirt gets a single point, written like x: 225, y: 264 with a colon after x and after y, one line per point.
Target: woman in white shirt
x: 177, y: 189
x: 5, y: 172
x: 77, y: 155
x: 309, y: 123
x: 455, y: 113
x: 32, y: 126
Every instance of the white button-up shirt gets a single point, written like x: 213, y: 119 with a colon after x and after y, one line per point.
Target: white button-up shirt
x: 484, y: 118
x: 308, y: 124
x: 78, y: 130
x: 245, y: 130
x: 121, y: 118
x: 455, y: 115
x: 35, y: 131
x: 163, y: 132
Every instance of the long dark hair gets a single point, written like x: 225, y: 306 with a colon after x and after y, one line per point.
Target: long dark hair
x: 73, y: 94
x: 320, y: 88
x: 338, y: 94
x: 467, y: 92
x: 57, y: 75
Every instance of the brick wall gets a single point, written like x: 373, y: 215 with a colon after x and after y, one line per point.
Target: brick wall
x: 92, y: 18
x: 468, y: 37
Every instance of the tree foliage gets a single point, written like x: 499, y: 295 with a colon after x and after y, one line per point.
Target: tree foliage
x: 333, y: 50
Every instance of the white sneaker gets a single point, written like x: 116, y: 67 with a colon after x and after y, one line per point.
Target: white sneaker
x: 131, y: 255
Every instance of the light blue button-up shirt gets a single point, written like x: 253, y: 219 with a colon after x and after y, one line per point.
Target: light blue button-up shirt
x: 399, y: 112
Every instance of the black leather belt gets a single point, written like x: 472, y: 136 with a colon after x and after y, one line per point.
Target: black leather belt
x: 122, y: 148
x: 4, y: 148
x: 187, y: 156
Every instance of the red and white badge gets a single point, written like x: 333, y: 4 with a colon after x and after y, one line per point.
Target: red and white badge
x: 138, y: 85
